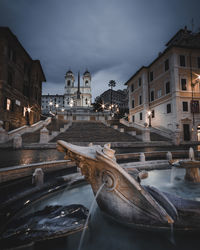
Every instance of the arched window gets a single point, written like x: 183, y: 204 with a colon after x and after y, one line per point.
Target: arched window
x: 68, y: 83
x: 86, y: 83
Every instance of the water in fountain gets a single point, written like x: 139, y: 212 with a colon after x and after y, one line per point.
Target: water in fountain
x: 90, y: 211
x: 172, y: 239
x: 161, y: 179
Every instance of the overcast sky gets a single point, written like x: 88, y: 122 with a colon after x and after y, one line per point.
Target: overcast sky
x: 111, y: 38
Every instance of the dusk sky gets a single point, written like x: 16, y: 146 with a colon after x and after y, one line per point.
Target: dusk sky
x: 110, y: 38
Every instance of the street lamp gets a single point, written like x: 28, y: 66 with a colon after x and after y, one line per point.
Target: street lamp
x: 71, y: 103
x: 149, y: 116
x: 57, y: 108
x: 62, y: 109
x: 50, y: 104
x: 28, y: 110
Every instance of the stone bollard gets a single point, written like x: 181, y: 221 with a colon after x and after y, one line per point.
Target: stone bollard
x: 169, y: 156
x: 191, y: 154
x: 44, y: 135
x: 17, y: 141
x: 142, y: 157
x: 38, y: 177
x: 146, y: 135
x: 3, y: 133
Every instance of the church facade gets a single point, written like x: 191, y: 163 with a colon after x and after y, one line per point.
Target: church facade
x: 76, y: 94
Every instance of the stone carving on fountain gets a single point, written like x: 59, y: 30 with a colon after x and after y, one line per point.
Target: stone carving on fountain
x: 124, y: 198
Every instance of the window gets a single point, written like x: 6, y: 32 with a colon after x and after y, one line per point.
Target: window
x: 152, y: 95
x: 185, y: 106
x: 140, y: 100
x: 140, y: 82
x: 133, y: 118
x: 152, y: 113
x: 198, y: 62
x: 167, y: 87
x: 86, y: 101
x: 182, y: 60
x: 168, y: 108
x: 140, y: 116
x: 151, y: 76
x: 68, y: 83
x: 8, y: 104
x: 133, y: 103
x: 183, y: 84
x: 132, y: 87
x: 166, y: 64
x: 159, y: 93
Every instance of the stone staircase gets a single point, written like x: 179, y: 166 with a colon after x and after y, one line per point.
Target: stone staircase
x: 91, y: 131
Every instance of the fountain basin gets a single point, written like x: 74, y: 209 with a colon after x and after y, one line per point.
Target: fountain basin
x: 123, y: 198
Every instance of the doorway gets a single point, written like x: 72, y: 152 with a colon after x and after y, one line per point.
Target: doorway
x: 186, y: 132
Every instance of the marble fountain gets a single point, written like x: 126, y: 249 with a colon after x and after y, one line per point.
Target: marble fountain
x: 129, y: 211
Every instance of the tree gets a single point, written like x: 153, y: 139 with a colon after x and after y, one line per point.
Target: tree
x: 97, y: 105
x: 111, y: 84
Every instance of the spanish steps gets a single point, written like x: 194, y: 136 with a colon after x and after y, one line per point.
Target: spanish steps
x: 84, y: 131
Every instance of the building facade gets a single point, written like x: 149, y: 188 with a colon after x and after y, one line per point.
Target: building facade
x: 166, y: 93
x: 20, y: 83
x: 119, y: 97
x: 75, y: 95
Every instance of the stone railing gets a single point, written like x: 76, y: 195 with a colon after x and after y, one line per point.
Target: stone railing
x: 162, y: 131
x: 7, y: 136
x: 45, y: 137
x: 15, y: 172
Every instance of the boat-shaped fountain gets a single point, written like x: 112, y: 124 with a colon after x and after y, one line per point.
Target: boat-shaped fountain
x: 124, y: 198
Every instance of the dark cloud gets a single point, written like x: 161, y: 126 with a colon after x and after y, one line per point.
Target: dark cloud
x: 112, y: 38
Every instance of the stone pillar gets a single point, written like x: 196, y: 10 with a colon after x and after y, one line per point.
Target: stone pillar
x: 169, y: 156
x: 44, y: 135
x: 146, y: 135
x: 3, y: 133
x: 191, y: 154
x: 177, y: 137
x: 142, y: 157
x: 38, y: 177
x: 17, y: 141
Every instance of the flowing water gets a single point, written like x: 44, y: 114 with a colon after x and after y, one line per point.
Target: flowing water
x: 90, y: 211
x: 103, y: 233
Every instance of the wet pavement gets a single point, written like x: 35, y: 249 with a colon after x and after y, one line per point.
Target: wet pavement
x: 10, y: 157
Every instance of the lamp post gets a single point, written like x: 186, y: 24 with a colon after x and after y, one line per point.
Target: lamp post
x: 57, y: 108
x: 28, y: 110
x: 149, y: 116
x: 50, y: 104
